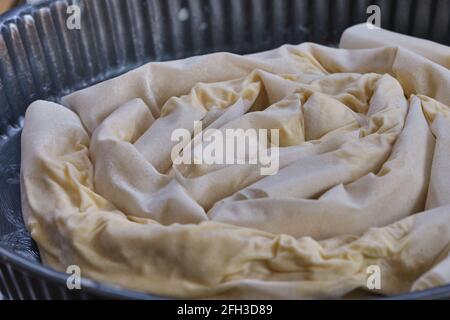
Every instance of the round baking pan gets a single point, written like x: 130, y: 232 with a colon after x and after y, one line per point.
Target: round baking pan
x: 41, y: 58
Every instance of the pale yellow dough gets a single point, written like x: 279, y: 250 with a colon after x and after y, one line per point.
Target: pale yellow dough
x: 364, y: 173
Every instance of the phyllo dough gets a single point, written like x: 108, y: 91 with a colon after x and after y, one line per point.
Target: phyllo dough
x: 363, y: 180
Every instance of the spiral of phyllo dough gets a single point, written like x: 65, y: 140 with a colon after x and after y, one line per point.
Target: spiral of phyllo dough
x: 358, y: 175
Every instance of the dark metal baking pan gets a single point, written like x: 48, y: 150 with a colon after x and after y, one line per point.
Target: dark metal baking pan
x: 41, y: 59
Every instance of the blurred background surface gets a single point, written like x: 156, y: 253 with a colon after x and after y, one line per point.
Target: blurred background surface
x: 5, y: 5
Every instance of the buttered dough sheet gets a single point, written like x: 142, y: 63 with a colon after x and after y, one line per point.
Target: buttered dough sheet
x: 363, y: 179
